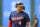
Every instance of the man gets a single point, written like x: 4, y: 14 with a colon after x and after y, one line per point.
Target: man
x: 35, y: 24
x: 19, y: 18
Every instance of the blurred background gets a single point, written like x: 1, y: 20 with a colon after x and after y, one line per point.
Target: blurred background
x: 7, y: 6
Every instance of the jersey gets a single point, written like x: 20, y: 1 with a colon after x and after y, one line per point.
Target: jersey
x: 36, y: 20
x: 21, y: 19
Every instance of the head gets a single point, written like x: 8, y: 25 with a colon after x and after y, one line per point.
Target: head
x: 34, y: 15
x: 20, y: 6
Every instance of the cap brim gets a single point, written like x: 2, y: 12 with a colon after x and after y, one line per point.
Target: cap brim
x: 20, y: 5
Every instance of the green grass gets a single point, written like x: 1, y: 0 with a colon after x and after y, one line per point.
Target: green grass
x: 7, y: 26
x: 3, y: 26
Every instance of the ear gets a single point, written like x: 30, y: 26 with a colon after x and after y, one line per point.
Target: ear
x: 23, y: 7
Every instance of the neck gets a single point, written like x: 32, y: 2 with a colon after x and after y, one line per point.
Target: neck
x: 18, y: 11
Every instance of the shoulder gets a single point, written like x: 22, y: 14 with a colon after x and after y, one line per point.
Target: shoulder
x: 26, y: 14
x: 36, y: 19
x: 13, y: 12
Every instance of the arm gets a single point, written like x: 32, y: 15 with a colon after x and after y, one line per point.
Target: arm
x: 27, y: 19
x: 28, y: 24
x: 35, y: 22
x: 10, y: 24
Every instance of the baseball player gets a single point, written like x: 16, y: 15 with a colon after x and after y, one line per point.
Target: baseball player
x: 35, y: 22
x: 19, y: 18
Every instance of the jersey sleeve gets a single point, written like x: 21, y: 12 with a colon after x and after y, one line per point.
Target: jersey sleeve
x: 27, y: 19
x: 10, y: 17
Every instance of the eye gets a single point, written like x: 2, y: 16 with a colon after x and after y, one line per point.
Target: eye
x: 21, y: 7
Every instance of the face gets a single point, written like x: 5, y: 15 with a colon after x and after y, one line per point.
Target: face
x: 34, y: 16
x: 20, y: 8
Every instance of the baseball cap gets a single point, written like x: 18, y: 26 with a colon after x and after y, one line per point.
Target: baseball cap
x: 19, y: 3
